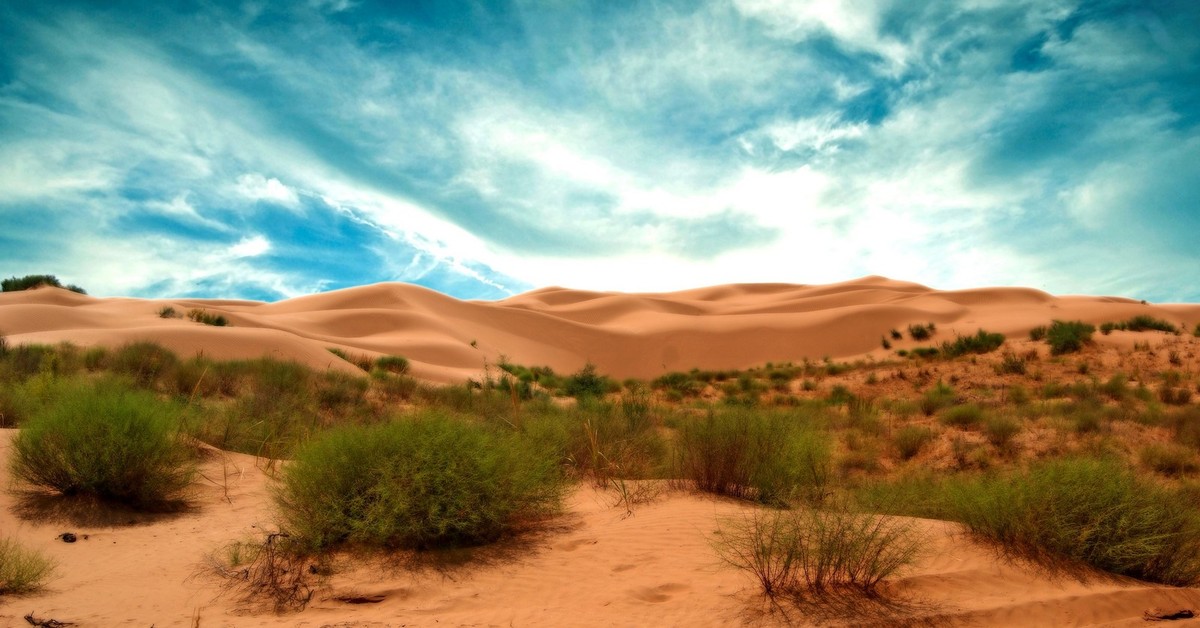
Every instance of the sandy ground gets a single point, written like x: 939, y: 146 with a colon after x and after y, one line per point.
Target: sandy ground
x: 596, y: 565
x: 625, y: 335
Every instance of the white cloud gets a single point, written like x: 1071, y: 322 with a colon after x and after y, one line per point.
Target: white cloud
x: 256, y: 187
x: 250, y: 247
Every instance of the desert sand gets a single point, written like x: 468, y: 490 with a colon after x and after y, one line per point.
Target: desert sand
x: 597, y: 565
x: 624, y: 335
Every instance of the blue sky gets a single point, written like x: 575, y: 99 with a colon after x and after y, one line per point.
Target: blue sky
x: 270, y: 149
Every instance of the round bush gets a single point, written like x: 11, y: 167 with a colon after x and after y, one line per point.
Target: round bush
x: 419, y: 483
x: 106, y: 441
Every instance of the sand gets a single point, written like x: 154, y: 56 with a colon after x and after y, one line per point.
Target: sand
x: 597, y: 565
x: 624, y: 335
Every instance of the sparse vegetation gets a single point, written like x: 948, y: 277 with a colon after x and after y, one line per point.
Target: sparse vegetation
x: 1141, y: 322
x: 811, y: 551
x: 29, y: 282
x: 207, y: 318
x: 919, y: 332
x: 981, y: 342
x: 22, y: 570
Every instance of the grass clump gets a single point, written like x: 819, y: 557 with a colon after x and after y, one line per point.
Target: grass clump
x: 911, y: 439
x: 1169, y: 459
x: 396, y: 364
x: 921, y: 332
x: 22, y: 570
x: 106, y: 441
x: 1068, y: 336
x: 805, y: 550
x: 770, y: 457
x: 1141, y: 322
x: 419, y: 483
x: 964, y: 416
x: 982, y: 342
x: 206, y: 318
x: 1092, y: 510
x: 586, y: 382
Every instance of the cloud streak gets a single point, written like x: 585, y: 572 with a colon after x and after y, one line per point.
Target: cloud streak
x: 262, y: 152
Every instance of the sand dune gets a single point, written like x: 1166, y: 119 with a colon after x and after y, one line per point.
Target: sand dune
x: 625, y: 335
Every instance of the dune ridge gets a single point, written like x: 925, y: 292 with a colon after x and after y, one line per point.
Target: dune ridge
x: 624, y: 334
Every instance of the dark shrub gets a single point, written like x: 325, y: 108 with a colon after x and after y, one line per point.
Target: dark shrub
x: 981, y: 342
x: 145, y: 362
x: 16, y: 284
x: 393, y: 364
x: 587, y: 383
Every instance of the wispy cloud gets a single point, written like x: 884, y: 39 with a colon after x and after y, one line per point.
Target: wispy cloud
x: 249, y: 149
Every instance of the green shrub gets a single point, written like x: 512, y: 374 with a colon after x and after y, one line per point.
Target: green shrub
x: 1141, y: 322
x: 167, y: 311
x: 1068, y: 336
x: 1095, y: 511
x: 911, y: 439
x: 895, y: 334
x: 423, y: 483
x: 921, y: 332
x: 106, y: 441
x: 770, y: 457
x: 1011, y: 364
x: 587, y: 383
x: 1038, y: 334
x: 924, y: 352
x: 22, y: 570
x: 679, y: 382
x: 936, y: 398
x: 885, y: 343
x: 145, y: 362
x: 966, y: 416
x: 16, y: 284
x: 202, y: 316
x: 809, y: 550
x: 393, y: 364
x: 1000, y: 431
x: 981, y: 342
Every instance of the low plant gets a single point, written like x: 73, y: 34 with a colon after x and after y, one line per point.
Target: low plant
x: 1000, y: 431
x: 206, y: 318
x: 145, y: 362
x: 167, y: 311
x: 275, y: 569
x: 1011, y: 364
x: 812, y: 551
x: 1038, y: 334
x: 395, y: 364
x: 22, y: 570
x: 587, y: 383
x: 106, y: 441
x: 921, y: 332
x: 911, y: 439
x: 15, y: 284
x: 1169, y: 459
x: 981, y: 342
x: 966, y: 416
x: 1068, y: 336
x: 424, y: 482
x: 770, y: 457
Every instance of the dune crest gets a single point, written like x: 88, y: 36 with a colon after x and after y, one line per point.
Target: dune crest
x: 624, y: 334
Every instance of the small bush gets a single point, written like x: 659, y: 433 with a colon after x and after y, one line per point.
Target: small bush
x: 1175, y: 396
x: 145, y: 362
x: 936, y: 398
x: 794, y: 551
x: 1011, y: 364
x: 679, y: 382
x: 1038, y: 334
x: 1068, y: 336
x: 981, y: 342
x: 885, y: 343
x: 22, y: 570
x: 167, y: 311
x: 911, y: 439
x: 16, y: 284
x: 1141, y: 322
x: 1170, y: 460
x: 921, y: 332
x: 1095, y: 511
x: 895, y: 334
x: 393, y: 364
x: 587, y: 383
x: 202, y: 316
x: 105, y: 441
x: 772, y: 458
x: 1000, y: 431
x: 422, y: 483
x: 965, y: 416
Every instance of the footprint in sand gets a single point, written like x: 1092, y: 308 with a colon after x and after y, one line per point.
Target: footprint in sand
x: 620, y: 568
x: 658, y: 594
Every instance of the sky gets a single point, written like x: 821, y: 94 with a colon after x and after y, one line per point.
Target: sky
x: 265, y: 150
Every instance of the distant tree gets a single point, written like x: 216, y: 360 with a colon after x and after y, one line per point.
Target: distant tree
x: 16, y: 284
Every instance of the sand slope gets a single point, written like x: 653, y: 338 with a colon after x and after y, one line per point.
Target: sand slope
x: 595, y: 566
x: 625, y: 335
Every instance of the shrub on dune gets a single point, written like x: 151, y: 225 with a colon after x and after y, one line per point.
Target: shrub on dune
x: 1068, y: 336
x: 105, y: 441
x: 421, y: 483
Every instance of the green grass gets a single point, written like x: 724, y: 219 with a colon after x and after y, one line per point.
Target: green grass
x: 1068, y: 336
x: 394, y: 364
x: 16, y: 284
x: 770, y: 457
x: 424, y: 482
x: 921, y: 332
x: 206, y: 318
x: 104, y: 440
x: 22, y: 570
x: 965, y: 416
x: 911, y: 439
x: 1169, y: 459
x: 1141, y: 322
